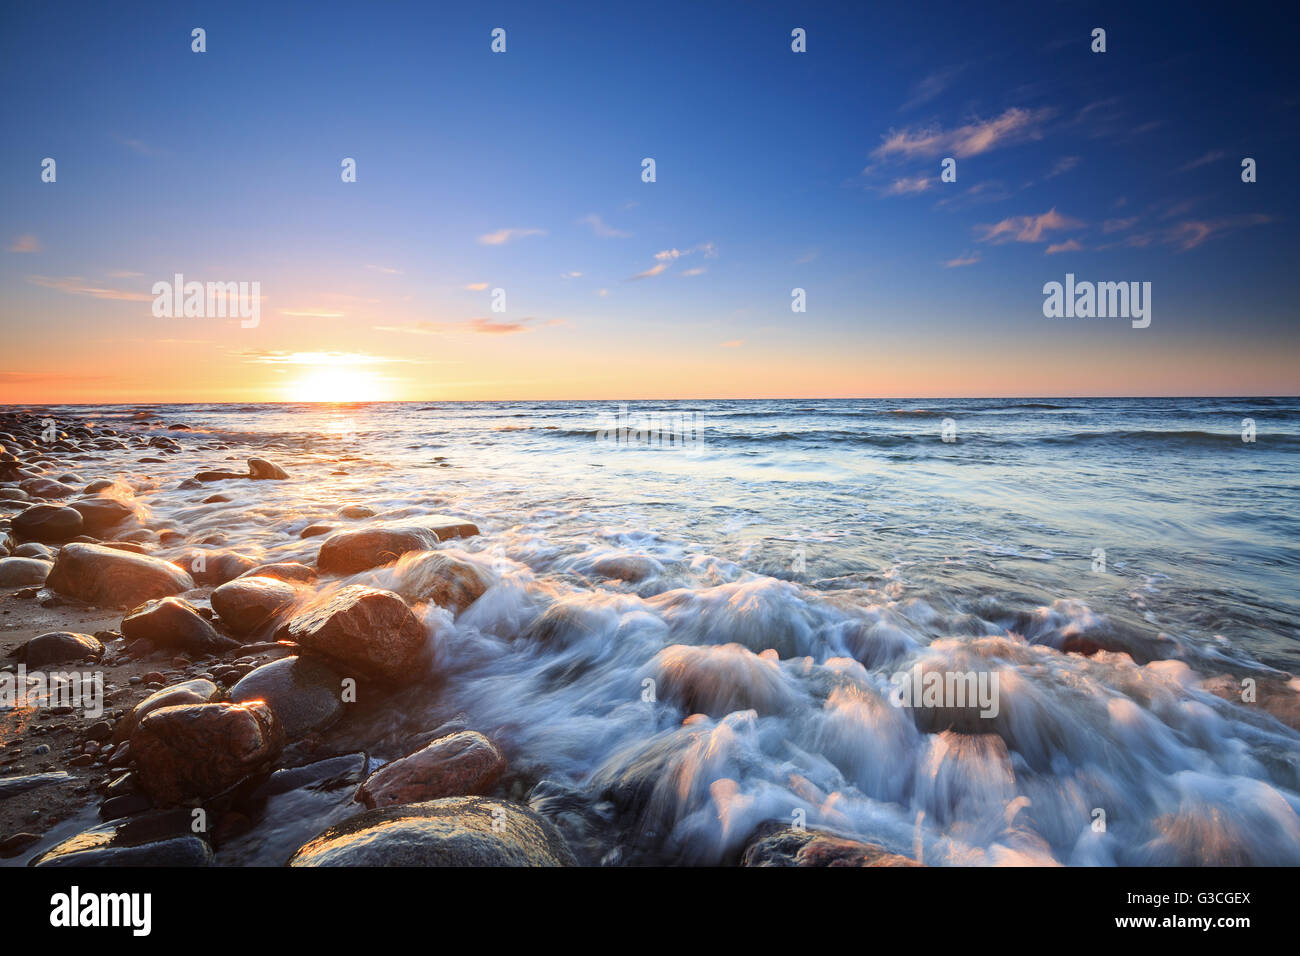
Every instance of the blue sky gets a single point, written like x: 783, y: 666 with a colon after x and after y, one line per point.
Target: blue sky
x: 522, y: 171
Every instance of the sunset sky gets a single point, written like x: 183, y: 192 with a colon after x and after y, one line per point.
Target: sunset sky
x: 522, y: 171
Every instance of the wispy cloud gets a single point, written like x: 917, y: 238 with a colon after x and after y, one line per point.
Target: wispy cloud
x: 1193, y: 232
x: 599, y: 227
x: 931, y: 87
x: 502, y: 236
x: 967, y: 259
x: 1026, y: 228
x: 1062, y: 166
x: 1070, y: 245
x: 386, y: 270
x: 1212, y: 156
x: 75, y: 285
x: 695, y: 271
x: 650, y: 273
x: 136, y: 145
x: 348, y: 359
x: 1119, y: 225
x: 476, y: 286
x: 732, y: 343
x: 28, y: 243
x: 908, y: 185
x: 312, y: 314
x: 476, y: 326
x: 979, y: 136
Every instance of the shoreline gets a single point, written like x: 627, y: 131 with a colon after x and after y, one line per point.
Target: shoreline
x: 365, y: 759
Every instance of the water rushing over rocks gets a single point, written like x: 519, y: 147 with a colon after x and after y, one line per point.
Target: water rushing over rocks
x: 677, y: 655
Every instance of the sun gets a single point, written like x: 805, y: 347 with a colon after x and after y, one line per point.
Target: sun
x: 334, y: 384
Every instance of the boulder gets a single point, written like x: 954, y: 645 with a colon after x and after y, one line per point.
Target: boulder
x: 463, y: 764
x: 49, y: 523
x: 362, y: 631
x: 305, y: 695
x: 46, y: 488
x: 109, y: 577
x: 355, y: 550
x: 460, y: 831
x: 100, y: 514
x: 440, y: 578
x: 213, y: 568
x: 197, y: 691
x: 59, y: 647
x: 200, y: 750
x: 162, y: 838
x: 247, y: 604
x: 17, y: 572
x: 789, y: 846
x: 259, y: 469
x: 628, y: 567
x: 172, y: 622
x: 283, y: 571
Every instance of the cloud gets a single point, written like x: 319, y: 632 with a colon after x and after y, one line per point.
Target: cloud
x: 732, y: 343
x: 1063, y: 165
x: 980, y: 136
x: 476, y: 286
x: 696, y: 271
x: 599, y: 227
x: 1193, y: 232
x: 808, y: 257
x: 277, y: 357
x: 1027, y: 228
x: 75, y: 285
x: 967, y: 259
x: 668, y: 255
x: 386, y: 270
x: 1070, y: 245
x: 312, y: 314
x: 502, y: 236
x: 1210, y: 157
x: 908, y: 185
x: 570, y: 275
x: 27, y: 243
x: 1119, y: 225
x: 476, y: 326
x: 123, y: 274
x: 930, y: 87
x: 650, y: 273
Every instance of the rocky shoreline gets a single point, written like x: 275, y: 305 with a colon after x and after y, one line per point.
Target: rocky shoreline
x: 235, y: 692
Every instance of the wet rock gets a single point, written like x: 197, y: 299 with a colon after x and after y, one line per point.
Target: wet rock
x: 356, y: 512
x: 197, y: 691
x: 360, y: 549
x: 329, y: 774
x: 17, y: 572
x: 789, y: 846
x: 46, y: 488
x: 96, y: 486
x: 11, y: 846
x: 49, y: 523
x: 248, y: 604
x: 363, y: 631
x: 463, y: 764
x: 108, y: 577
x: 284, y: 571
x: 440, y: 578
x: 305, y: 695
x: 628, y: 567
x: 213, y: 568
x: 259, y: 469
x: 98, y: 515
x: 33, y: 550
x: 12, y: 786
x: 206, y: 476
x: 161, y: 838
x: 1278, y: 697
x: 59, y: 647
x: 315, y: 530
x: 172, y: 622
x: 460, y: 831
x: 721, y: 679
x: 200, y: 750
x: 216, y: 499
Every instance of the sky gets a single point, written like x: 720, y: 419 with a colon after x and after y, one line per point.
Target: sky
x: 522, y: 171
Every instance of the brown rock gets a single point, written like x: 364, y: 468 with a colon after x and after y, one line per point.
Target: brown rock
x: 284, y: 571
x: 172, y: 622
x: 363, y: 631
x: 789, y: 846
x: 201, y: 750
x: 197, y: 691
x: 353, y: 551
x: 112, y: 578
x: 247, y: 604
x: 440, y: 578
x: 463, y: 764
